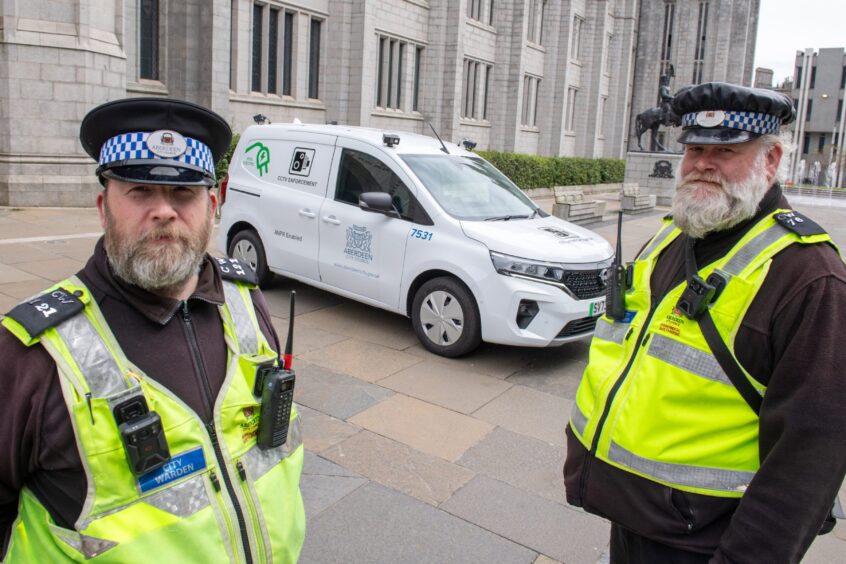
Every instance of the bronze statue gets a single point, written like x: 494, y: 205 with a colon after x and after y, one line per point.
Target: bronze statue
x: 654, y: 117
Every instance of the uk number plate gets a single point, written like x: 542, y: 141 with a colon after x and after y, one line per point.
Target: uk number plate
x: 597, y: 308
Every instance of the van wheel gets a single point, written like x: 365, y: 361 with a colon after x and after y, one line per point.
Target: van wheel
x: 446, y: 318
x: 246, y: 247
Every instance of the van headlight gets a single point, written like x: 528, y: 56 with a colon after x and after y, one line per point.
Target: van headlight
x: 549, y: 272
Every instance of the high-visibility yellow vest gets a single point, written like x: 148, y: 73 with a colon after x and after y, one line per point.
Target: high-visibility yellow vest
x: 653, y: 400
x: 188, y: 510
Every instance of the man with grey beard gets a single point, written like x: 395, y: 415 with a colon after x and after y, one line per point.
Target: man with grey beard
x: 134, y: 388
x: 710, y: 422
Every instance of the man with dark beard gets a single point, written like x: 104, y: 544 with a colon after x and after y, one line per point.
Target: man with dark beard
x: 133, y: 388
x: 710, y: 423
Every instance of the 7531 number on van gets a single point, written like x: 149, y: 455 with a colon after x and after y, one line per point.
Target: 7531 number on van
x: 420, y: 234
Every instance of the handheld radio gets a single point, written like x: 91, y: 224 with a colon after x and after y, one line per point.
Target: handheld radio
x: 275, y: 385
x: 618, y: 282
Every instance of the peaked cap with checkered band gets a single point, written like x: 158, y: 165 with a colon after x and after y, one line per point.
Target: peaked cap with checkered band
x: 155, y: 141
x: 717, y: 113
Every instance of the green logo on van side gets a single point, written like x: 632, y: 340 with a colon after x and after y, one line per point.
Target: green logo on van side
x: 263, y: 157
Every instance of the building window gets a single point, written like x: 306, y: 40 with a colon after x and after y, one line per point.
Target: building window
x: 415, y: 95
x: 314, y: 59
x: 272, y: 53
x: 475, y: 90
x: 148, y: 44
x: 808, y: 115
x: 600, y: 119
x: 839, y: 110
x: 608, y: 40
x: 258, y: 39
x: 391, y: 73
x: 570, y: 117
x: 821, y: 144
x: 806, y: 146
x: 480, y: 10
x: 537, y: 9
x: 699, y: 54
x: 843, y: 78
x: 667, y: 37
x: 287, y: 53
x: 813, y: 76
x: 798, y: 77
x: 576, y: 43
x: 531, y: 86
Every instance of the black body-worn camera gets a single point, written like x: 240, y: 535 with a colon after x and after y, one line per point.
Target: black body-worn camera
x: 142, y: 434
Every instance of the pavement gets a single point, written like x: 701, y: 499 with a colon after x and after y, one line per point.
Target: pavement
x: 410, y: 457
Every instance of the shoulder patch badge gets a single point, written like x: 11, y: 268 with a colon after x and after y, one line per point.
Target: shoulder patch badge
x: 233, y: 269
x: 799, y: 224
x: 45, y: 311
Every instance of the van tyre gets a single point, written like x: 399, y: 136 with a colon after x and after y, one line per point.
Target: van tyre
x: 246, y: 246
x: 446, y: 318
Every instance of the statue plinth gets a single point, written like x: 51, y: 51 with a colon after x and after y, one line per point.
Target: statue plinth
x: 655, y: 173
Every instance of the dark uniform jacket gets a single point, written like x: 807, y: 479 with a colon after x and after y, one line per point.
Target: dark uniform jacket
x: 37, y: 444
x: 793, y: 339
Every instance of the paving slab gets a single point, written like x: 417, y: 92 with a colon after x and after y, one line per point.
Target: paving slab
x: 376, y: 525
x: 364, y: 360
x: 529, y: 412
x: 529, y: 464
x: 446, y: 385
x: 542, y: 559
x: 321, y: 431
x: 11, y: 274
x: 549, y: 374
x: 54, y: 269
x: 422, y: 426
x: 25, y: 289
x: 400, y: 467
x: 7, y: 303
x: 542, y: 525
x: 498, y: 361
x: 827, y: 549
x: 25, y: 252
x: 324, y: 483
x: 305, y: 338
x: 364, y: 323
x: 278, y: 296
x: 335, y: 394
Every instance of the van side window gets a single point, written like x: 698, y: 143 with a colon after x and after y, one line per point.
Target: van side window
x: 360, y: 172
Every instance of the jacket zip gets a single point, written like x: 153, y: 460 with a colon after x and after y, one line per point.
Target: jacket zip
x: 191, y: 336
x: 607, y: 409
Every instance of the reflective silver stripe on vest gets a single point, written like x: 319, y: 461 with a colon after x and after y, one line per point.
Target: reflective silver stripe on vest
x: 259, y: 461
x: 614, y: 332
x: 89, y: 546
x: 659, y: 238
x: 244, y: 328
x: 753, y: 248
x: 716, y: 479
x: 182, y: 500
x: 687, y: 358
x: 578, y: 418
x: 90, y: 353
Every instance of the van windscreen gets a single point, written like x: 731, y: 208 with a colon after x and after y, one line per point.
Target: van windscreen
x: 470, y: 188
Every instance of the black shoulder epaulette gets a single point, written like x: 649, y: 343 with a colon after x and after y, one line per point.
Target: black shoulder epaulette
x: 45, y: 311
x: 668, y: 217
x: 233, y: 269
x: 799, y: 224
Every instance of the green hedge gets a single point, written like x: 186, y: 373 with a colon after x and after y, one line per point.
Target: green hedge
x: 531, y: 171
x: 223, y: 164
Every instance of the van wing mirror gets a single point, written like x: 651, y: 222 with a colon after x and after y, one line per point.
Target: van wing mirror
x: 377, y: 202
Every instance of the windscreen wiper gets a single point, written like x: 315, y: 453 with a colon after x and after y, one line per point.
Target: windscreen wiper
x: 507, y: 217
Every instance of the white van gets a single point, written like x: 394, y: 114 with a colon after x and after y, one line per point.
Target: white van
x: 406, y: 223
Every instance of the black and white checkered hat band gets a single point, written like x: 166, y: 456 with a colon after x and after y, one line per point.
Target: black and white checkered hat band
x: 756, y: 122
x: 133, y: 146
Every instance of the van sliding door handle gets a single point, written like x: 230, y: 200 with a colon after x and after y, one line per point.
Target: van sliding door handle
x: 305, y: 212
x: 331, y: 219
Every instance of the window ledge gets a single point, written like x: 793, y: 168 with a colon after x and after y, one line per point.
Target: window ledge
x: 479, y: 24
x: 421, y: 3
x: 474, y: 123
x: 577, y: 62
x: 529, y: 129
x: 273, y: 100
x: 396, y: 114
x: 144, y: 86
x: 569, y: 134
x: 536, y: 46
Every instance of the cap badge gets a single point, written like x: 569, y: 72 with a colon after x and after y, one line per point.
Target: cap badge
x: 711, y: 118
x: 166, y: 144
